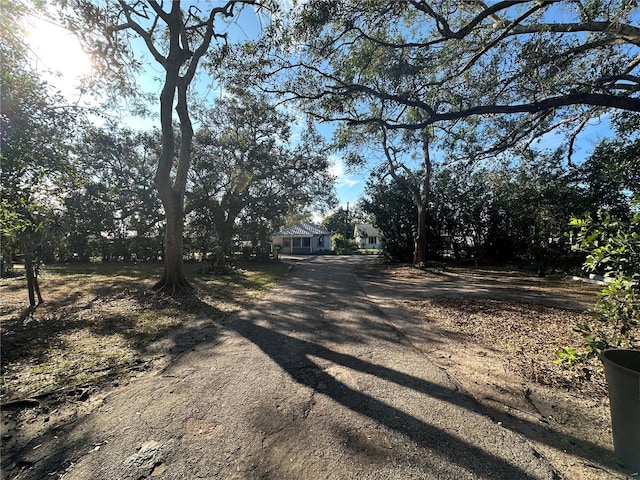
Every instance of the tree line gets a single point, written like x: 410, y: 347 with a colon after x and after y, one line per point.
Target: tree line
x: 517, y: 213
x: 97, y: 201
x: 415, y: 81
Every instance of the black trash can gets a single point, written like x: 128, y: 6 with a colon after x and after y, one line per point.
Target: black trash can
x: 622, y: 369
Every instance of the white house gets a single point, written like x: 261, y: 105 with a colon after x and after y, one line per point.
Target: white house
x: 302, y: 238
x: 367, y: 236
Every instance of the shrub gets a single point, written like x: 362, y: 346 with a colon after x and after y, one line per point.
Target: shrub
x: 613, y: 250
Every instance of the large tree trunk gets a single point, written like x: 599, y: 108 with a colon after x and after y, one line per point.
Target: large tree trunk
x: 422, y: 204
x: 173, y: 276
x: 172, y: 192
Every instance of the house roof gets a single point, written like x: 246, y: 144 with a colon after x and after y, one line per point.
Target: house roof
x: 366, y: 229
x: 306, y: 229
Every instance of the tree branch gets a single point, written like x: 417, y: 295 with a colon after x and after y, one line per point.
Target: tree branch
x: 628, y: 33
x: 593, y: 99
x: 503, y: 35
x: 144, y: 34
x: 443, y: 25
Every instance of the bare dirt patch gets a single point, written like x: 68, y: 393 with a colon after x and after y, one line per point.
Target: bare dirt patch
x: 526, y: 335
x: 495, y: 332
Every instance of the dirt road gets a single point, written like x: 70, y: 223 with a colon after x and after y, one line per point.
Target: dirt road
x: 310, y: 382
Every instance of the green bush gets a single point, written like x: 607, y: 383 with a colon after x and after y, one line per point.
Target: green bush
x: 613, y: 250
x: 343, y: 246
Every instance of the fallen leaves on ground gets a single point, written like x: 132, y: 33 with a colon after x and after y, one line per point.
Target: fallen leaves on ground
x: 526, y: 335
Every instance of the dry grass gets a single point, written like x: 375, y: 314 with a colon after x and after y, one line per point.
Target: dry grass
x: 526, y: 334
x: 97, y: 321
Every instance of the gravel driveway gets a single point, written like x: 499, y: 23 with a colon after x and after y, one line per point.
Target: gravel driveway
x: 310, y: 382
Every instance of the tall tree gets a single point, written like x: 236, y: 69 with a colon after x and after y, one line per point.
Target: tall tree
x: 116, y: 200
x: 340, y: 222
x: 397, y: 153
x: 394, y: 213
x: 610, y: 174
x: 249, y: 171
x: 180, y: 37
x: 514, y: 212
x: 417, y: 184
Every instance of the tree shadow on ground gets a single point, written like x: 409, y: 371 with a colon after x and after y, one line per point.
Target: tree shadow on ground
x: 521, y: 292
x: 294, y: 356
x: 29, y: 337
x: 49, y: 453
x: 280, y: 338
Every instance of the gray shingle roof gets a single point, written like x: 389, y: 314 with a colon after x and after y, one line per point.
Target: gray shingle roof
x: 305, y: 229
x: 366, y: 229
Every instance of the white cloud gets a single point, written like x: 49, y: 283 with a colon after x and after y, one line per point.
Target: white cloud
x: 337, y: 169
x: 337, y: 166
x: 348, y: 182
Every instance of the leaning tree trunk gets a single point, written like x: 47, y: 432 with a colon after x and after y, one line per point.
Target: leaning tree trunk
x: 31, y: 259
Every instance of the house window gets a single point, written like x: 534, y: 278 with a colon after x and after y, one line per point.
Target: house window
x: 373, y: 239
x: 321, y: 240
x: 286, y: 242
x: 301, y: 242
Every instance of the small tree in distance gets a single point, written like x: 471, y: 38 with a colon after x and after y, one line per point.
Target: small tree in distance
x: 338, y: 222
x: 37, y: 130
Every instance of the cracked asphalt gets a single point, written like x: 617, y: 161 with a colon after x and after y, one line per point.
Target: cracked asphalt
x: 313, y: 381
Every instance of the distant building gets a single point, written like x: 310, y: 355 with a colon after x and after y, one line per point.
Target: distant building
x: 367, y: 236
x: 302, y: 238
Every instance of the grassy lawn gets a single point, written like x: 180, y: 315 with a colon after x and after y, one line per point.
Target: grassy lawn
x: 98, y: 321
x: 368, y: 251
